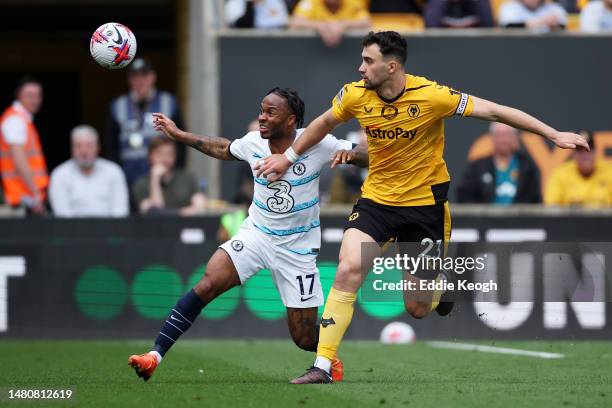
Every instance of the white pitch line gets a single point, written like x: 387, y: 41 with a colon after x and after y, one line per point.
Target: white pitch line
x: 491, y: 349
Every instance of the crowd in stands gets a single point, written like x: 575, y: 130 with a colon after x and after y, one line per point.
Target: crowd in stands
x: 88, y: 185
x: 331, y: 18
x: 143, y: 171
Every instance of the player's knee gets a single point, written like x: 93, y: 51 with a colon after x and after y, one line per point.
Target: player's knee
x: 348, y: 273
x: 418, y: 310
x: 205, y: 289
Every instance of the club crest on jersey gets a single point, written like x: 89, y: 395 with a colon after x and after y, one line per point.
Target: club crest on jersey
x: 237, y: 245
x: 299, y: 169
x: 389, y: 112
x: 413, y: 110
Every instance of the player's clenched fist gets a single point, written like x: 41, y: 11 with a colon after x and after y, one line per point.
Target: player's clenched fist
x: 162, y: 123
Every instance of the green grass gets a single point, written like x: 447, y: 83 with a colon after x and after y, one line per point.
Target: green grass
x: 255, y: 374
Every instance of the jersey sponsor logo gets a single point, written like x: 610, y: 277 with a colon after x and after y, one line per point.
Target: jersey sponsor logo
x: 389, y: 112
x: 303, y: 299
x: 397, y: 133
x: 299, y: 169
x: 282, y: 202
x: 327, y: 322
x: 413, y: 110
x: 353, y: 216
x: 237, y: 245
x: 367, y: 109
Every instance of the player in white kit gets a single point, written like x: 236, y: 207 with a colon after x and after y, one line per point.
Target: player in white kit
x: 282, y: 232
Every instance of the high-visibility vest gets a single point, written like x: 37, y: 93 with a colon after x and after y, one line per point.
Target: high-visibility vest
x: 15, y: 188
x: 136, y: 131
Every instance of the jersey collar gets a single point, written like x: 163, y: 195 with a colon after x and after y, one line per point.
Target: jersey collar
x: 396, y: 97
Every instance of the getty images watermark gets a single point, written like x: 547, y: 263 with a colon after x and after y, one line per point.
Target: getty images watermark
x: 426, y: 265
x: 488, y: 272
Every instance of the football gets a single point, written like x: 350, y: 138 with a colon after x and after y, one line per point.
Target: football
x: 397, y: 333
x: 113, y: 46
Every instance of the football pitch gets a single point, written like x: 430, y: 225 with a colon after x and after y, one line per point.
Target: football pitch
x: 255, y: 374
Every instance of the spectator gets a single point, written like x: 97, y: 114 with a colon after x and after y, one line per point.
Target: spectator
x: 331, y: 18
x: 506, y: 177
x: 458, y: 13
x: 166, y: 190
x: 596, y: 17
x: 582, y: 182
x: 22, y: 162
x: 537, y: 15
x: 129, y: 126
x: 266, y: 14
x: 86, y: 185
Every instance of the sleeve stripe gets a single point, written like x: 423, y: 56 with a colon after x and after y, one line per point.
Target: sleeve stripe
x: 463, y: 102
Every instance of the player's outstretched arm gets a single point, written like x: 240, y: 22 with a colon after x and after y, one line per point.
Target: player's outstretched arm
x: 313, y: 134
x: 357, y: 156
x: 217, y: 147
x: 494, y: 112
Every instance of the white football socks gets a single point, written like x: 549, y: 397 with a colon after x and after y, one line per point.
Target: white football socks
x: 323, y: 363
x: 158, y: 356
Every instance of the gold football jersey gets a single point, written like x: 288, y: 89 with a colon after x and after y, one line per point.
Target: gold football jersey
x: 405, y: 138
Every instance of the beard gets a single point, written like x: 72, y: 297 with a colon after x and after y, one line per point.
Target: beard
x: 371, y: 85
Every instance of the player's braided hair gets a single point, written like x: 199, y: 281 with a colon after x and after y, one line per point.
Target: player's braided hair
x: 295, y: 103
x: 389, y: 42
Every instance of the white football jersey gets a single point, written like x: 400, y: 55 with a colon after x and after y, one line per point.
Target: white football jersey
x: 288, y: 209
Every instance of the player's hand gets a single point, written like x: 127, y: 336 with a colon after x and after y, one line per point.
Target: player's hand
x: 568, y: 140
x: 342, y: 157
x: 162, y: 123
x: 272, y: 167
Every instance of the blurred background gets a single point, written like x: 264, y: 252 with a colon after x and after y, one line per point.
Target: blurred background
x: 105, y: 255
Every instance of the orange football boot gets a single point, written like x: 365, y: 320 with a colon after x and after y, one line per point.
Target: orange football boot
x: 143, y: 364
x: 337, y: 370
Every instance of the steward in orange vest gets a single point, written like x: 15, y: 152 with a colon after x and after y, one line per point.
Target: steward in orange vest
x: 17, y: 190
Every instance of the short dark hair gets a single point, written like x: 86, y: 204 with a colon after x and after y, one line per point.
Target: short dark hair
x: 23, y: 81
x: 158, y: 142
x: 390, y: 44
x: 295, y: 103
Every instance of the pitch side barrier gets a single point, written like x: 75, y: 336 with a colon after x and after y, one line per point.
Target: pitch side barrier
x: 101, y: 278
x: 545, y: 75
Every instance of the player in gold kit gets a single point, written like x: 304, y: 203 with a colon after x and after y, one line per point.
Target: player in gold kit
x: 404, y: 196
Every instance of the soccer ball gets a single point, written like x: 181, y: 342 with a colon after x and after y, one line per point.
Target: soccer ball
x: 113, y: 46
x: 397, y: 333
